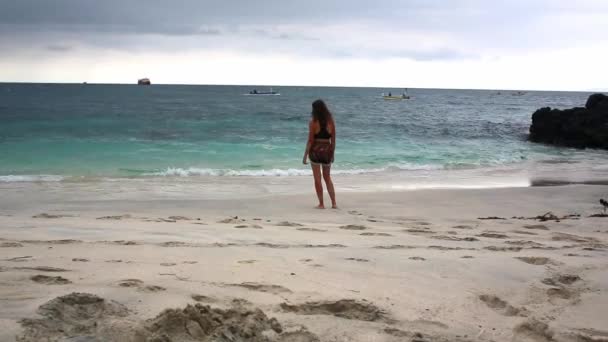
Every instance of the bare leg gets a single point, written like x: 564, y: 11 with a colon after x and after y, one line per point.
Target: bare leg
x: 316, y: 172
x: 330, y: 185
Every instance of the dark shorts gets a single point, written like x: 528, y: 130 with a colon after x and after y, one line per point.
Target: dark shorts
x: 321, y: 153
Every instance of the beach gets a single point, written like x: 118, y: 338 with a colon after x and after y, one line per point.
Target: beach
x: 184, y: 213
x: 443, y: 264
x: 162, y: 166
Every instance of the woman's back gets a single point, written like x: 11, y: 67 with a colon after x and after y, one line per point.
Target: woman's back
x: 322, y: 132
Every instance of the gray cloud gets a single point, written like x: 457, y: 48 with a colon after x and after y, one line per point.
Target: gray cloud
x: 59, y: 48
x: 476, y: 27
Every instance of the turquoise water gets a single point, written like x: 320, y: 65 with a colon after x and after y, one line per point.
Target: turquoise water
x: 52, y: 131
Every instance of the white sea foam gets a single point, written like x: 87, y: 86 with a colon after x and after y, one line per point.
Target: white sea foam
x: 30, y: 178
x: 193, y: 171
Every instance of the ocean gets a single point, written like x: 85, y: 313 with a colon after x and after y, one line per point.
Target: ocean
x: 59, y: 132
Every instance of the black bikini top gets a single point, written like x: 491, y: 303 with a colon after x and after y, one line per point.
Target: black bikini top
x: 323, y: 134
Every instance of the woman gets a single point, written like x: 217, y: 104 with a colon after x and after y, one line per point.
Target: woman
x: 320, y: 149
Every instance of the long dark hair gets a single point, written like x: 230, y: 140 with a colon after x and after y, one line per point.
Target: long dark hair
x: 321, y: 113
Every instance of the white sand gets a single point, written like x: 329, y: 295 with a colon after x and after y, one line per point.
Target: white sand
x: 419, y: 258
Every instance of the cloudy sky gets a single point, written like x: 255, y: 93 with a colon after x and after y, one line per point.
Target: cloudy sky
x: 514, y: 44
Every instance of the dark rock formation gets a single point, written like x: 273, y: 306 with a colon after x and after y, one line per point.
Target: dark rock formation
x: 577, y: 127
x: 144, y: 81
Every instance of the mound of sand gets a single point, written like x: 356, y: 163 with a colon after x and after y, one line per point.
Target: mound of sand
x: 72, y: 315
x: 86, y: 317
x: 203, y: 323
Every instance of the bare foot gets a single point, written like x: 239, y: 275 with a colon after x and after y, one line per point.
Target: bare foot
x: 334, y: 206
x: 320, y: 206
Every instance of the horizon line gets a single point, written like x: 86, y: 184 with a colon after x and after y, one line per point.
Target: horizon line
x: 304, y: 86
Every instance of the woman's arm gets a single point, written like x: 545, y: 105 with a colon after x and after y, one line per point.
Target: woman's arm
x: 311, y: 139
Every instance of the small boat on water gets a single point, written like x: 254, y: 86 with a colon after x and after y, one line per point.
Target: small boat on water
x: 256, y: 92
x: 390, y: 96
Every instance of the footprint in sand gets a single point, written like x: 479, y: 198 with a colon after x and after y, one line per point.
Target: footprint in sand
x: 418, y: 231
x: 10, y: 244
x: 288, y: 224
x: 268, y: 288
x: 357, y: 259
x: 114, y: 261
x: 50, y: 216
x: 232, y: 220
x: 80, y: 260
x: 305, y: 260
x: 525, y: 243
x: 561, y: 279
x: 161, y: 219
x: 124, y: 243
x: 344, y: 308
x: 462, y: 226
x: 395, y: 247
x: 453, y: 238
x: 523, y: 232
x: 50, y: 280
x: 412, y: 336
x: 42, y: 269
x: 533, y: 330
x: 467, y: 257
x: 417, y: 258
x: 115, y: 217
x: 375, y: 234
x: 152, y: 288
x: 493, y: 235
x: 190, y: 262
x: 500, y: 305
x: 20, y: 258
x: 354, y: 212
x: 139, y: 285
x: 271, y: 245
x: 179, y: 218
x: 539, y: 261
x: 559, y: 292
x: 61, y: 242
x: 536, y: 226
x: 168, y: 264
x: 311, y: 229
x: 130, y: 283
x: 503, y: 249
x: 253, y: 226
x: 445, y: 248
x: 247, y: 261
x: 354, y: 227
x: 174, y: 244
x: 203, y: 299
